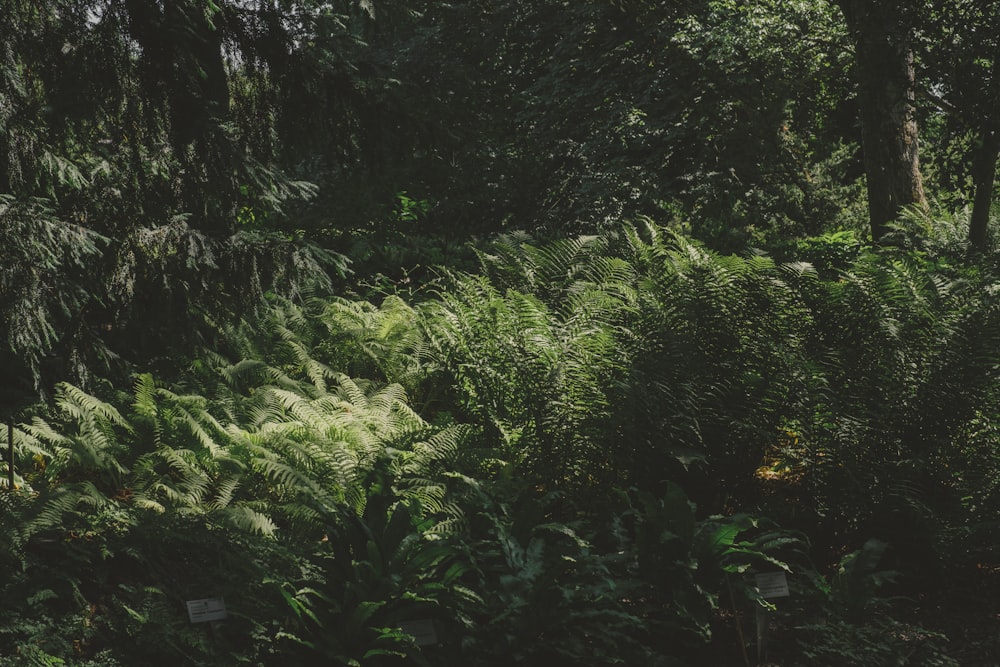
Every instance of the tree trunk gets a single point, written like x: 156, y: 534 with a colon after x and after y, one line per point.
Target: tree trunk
x: 984, y: 159
x: 10, y: 453
x: 884, y: 66
x: 984, y: 172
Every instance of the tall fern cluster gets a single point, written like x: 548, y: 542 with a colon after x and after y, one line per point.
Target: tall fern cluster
x: 514, y: 459
x: 602, y: 361
x: 293, y: 456
x: 852, y: 399
x: 641, y: 356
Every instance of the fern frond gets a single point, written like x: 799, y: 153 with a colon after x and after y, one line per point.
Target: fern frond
x: 144, y: 391
x: 248, y: 519
x: 79, y: 404
x: 224, y: 491
x: 53, y: 507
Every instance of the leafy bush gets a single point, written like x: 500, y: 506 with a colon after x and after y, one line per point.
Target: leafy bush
x: 859, y: 627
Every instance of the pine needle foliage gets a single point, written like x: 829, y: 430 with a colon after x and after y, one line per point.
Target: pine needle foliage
x: 133, y: 186
x: 44, y: 287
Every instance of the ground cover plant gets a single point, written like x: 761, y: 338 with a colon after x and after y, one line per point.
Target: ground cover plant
x: 578, y: 455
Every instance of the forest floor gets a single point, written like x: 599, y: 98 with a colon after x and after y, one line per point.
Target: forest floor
x: 966, y: 612
x: 969, y: 615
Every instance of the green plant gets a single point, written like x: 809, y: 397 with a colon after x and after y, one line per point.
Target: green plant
x: 539, y: 593
x: 367, y: 577
x: 861, y: 626
x: 132, y: 509
x: 695, y: 566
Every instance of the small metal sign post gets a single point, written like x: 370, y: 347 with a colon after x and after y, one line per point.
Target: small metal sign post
x: 770, y: 585
x: 207, y: 609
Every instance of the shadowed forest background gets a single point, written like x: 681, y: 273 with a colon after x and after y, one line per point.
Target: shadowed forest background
x: 544, y: 324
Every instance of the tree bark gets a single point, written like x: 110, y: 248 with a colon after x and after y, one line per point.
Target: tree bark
x: 886, y: 91
x: 984, y: 172
x: 984, y: 158
x: 10, y: 453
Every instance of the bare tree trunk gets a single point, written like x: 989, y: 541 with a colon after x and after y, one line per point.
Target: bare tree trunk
x: 884, y: 65
x: 984, y: 173
x: 984, y: 160
x: 10, y: 453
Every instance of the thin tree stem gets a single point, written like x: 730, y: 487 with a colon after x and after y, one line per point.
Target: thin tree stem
x: 10, y: 454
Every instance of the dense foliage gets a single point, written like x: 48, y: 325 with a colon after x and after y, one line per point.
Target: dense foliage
x: 553, y: 459
x: 480, y: 333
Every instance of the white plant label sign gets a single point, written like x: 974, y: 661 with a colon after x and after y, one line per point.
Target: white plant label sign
x: 772, y: 585
x: 207, y: 609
